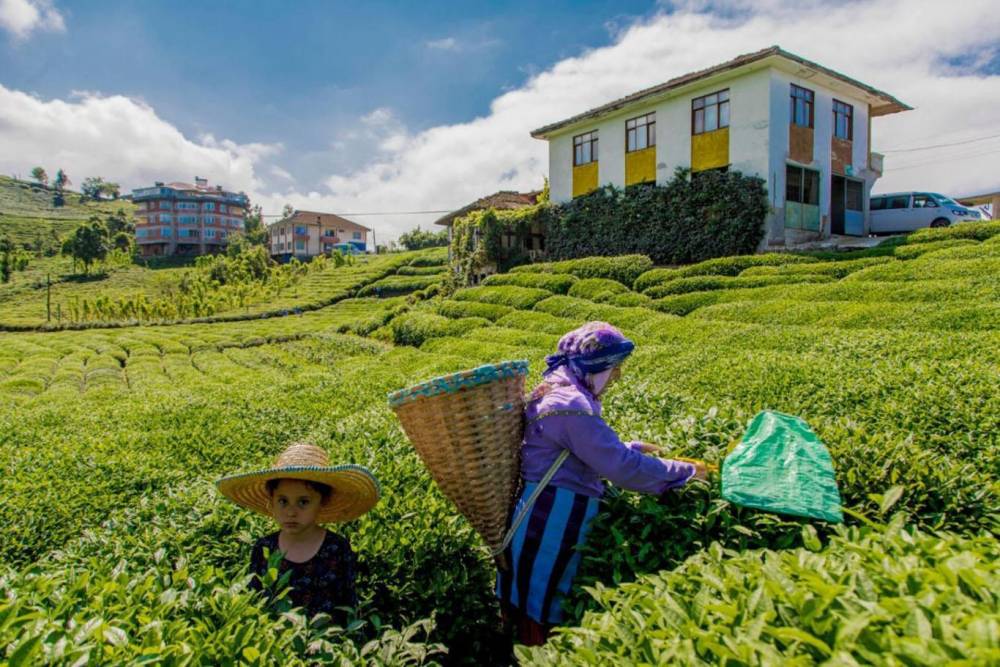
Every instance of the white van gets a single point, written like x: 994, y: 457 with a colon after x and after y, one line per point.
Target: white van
x: 908, y: 211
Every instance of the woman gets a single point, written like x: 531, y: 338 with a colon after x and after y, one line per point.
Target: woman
x: 564, y: 432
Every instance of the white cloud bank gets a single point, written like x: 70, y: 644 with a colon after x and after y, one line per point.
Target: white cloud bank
x: 22, y: 17
x: 895, y: 45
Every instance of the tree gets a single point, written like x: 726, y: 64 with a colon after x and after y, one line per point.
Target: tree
x: 418, y: 238
x: 122, y: 241
x: 91, y: 187
x: 39, y: 174
x: 6, y: 258
x: 119, y: 221
x: 253, y: 227
x: 62, y: 180
x: 112, y: 190
x: 88, y: 243
x: 287, y: 212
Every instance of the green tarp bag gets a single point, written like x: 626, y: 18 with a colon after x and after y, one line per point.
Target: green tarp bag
x: 781, y: 466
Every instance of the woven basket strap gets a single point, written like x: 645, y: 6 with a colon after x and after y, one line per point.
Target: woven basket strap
x: 544, y: 482
x: 522, y: 515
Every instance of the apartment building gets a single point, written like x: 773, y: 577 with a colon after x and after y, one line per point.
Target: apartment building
x: 186, y: 219
x: 306, y: 234
x: 802, y: 127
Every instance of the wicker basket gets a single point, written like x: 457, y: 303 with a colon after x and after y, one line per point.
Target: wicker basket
x: 467, y: 428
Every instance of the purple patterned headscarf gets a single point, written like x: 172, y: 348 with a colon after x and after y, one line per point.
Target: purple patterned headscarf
x: 592, y: 348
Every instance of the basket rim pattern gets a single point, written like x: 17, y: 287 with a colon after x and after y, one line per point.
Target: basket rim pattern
x: 447, y: 384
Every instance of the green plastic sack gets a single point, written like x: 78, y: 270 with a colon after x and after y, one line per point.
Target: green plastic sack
x: 781, y: 466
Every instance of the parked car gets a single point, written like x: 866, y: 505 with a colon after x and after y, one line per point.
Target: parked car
x: 907, y: 211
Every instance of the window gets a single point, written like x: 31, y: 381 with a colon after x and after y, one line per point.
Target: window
x: 801, y: 185
x: 585, y: 148
x: 301, y: 231
x: 855, y: 195
x: 209, y: 233
x: 222, y: 208
x: 187, y: 205
x: 300, y: 245
x: 710, y: 112
x: 329, y: 233
x: 141, y: 233
x: 802, y: 106
x: 843, y: 120
x: 166, y: 231
x: 899, y: 201
x: 640, y: 132
x: 209, y: 219
x: 209, y: 206
x: 164, y: 217
x: 165, y: 205
x: 187, y: 219
x: 878, y: 203
x: 923, y: 200
x: 356, y: 236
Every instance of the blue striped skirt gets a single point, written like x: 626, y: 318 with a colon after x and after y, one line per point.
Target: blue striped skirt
x: 542, y: 557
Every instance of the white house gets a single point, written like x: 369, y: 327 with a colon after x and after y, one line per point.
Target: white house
x: 805, y: 129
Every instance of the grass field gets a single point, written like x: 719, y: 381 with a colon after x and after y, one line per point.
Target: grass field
x: 118, y: 549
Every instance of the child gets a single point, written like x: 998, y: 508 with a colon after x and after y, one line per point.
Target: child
x: 300, y: 492
x: 563, y: 414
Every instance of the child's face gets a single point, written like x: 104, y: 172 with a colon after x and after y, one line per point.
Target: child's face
x: 295, y: 505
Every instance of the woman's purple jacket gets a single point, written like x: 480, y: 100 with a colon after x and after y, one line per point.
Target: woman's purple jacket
x: 595, y: 450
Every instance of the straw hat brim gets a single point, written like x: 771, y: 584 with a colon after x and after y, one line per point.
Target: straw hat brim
x: 355, y: 489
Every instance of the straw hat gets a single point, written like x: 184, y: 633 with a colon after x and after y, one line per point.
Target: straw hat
x: 355, y: 489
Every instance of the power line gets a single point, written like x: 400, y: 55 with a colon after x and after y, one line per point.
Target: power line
x: 280, y: 215
x: 924, y: 148
x: 938, y: 161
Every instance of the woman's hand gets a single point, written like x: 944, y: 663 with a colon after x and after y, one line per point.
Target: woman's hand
x: 700, y: 471
x: 647, y: 448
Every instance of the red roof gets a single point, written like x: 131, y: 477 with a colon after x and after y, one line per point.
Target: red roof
x: 503, y: 200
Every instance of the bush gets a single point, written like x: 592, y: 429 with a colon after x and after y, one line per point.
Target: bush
x: 833, y: 269
x: 707, y: 283
x: 436, y: 270
x: 433, y: 257
x: 530, y: 320
x: 396, y: 285
x: 505, y: 295
x: 557, y: 283
x: 722, y: 266
x: 629, y: 299
x: 881, y: 595
x: 625, y: 268
x: 883, y: 249
x: 984, y: 269
x: 979, y: 231
x: 582, y: 311
x: 597, y: 289
x: 685, y: 220
x: 682, y: 304
x: 414, y: 328
x: 458, y: 309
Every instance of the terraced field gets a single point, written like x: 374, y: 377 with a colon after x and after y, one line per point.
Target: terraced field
x: 118, y: 549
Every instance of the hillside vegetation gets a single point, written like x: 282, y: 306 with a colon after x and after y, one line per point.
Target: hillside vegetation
x: 117, y: 547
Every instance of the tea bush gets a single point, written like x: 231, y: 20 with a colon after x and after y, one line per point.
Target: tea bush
x: 722, y: 266
x: 558, y: 283
x: 415, y: 328
x: 914, y: 250
x: 630, y: 299
x: 625, y: 269
x: 396, y: 285
x: 597, y: 289
x: 421, y: 270
x: 456, y: 309
x: 581, y: 310
x: 979, y: 231
x: 707, y: 283
x: 832, y: 269
x: 506, y: 295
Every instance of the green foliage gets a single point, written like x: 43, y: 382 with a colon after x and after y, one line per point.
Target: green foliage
x: 396, y: 285
x: 597, y: 289
x: 885, y: 248
x: 832, y: 269
x: 490, y: 238
x: 89, y: 243
x: 254, y: 230
x: 537, y: 321
x: 685, y: 220
x: 869, y: 595
x: 418, y: 239
x: 583, y: 310
x: 979, y: 231
x: 504, y: 295
x: 914, y: 250
x: 414, y: 328
x: 96, y: 187
x: 40, y: 175
x: 629, y: 299
x: 707, y: 283
x: 421, y: 270
x: 433, y: 257
x: 457, y: 309
x: 722, y: 266
x: 624, y: 269
x: 684, y: 303
x: 557, y: 283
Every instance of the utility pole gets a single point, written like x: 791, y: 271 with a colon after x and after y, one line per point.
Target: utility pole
x: 48, y: 297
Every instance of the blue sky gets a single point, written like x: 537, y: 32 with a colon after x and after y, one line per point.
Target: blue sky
x: 303, y: 73
x: 371, y: 107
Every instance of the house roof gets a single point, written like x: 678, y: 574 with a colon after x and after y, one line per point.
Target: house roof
x: 318, y: 218
x: 881, y: 102
x: 503, y: 200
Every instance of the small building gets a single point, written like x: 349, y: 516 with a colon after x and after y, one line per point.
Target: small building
x: 802, y: 127
x: 186, y: 219
x: 504, y: 200
x: 306, y: 234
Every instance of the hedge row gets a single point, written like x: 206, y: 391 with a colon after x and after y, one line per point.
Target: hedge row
x: 533, y: 320
x: 557, y: 283
x: 396, y: 285
x: 979, y: 231
x: 833, y: 269
x: 933, y: 268
x: 721, y: 266
x: 431, y: 257
x: 707, y: 283
x: 581, y: 310
x: 413, y: 328
x: 597, y: 289
x: 457, y: 309
x: 623, y: 268
x: 505, y: 295
x: 421, y: 270
x: 987, y: 249
x: 629, y: 299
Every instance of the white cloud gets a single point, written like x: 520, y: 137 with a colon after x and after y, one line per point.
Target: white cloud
x: 281, y: 173
x: 119, y: 138
x: 450, y: 165
x: 443, y: 44
x: 22, y: 17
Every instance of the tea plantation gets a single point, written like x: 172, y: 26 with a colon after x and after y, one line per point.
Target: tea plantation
x: 117, y: 548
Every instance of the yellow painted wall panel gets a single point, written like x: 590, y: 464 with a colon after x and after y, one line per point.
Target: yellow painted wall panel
x: 584, y: 179
x: 710, y: 150
x: 640, y: 166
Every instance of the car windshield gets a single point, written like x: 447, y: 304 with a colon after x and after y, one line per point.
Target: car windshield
x: 941, y: 199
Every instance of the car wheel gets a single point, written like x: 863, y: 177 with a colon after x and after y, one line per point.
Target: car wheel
x: 941, y: 222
